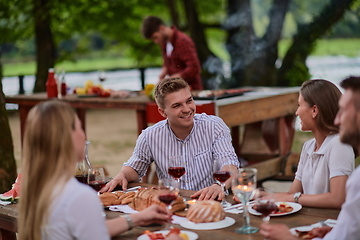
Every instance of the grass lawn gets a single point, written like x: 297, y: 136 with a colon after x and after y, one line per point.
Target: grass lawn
x: 324, y: 47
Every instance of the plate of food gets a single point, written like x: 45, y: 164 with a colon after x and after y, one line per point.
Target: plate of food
x: 162, y: 234
x: 228, y: 221
x: 303, y: 232
x: 284, y: 208
x: 86, y: 95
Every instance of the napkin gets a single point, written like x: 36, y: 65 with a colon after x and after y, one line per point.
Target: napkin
x: 235, y: 209
x: 122, y: 208
x: 4, y: 203
x: 127, y: 209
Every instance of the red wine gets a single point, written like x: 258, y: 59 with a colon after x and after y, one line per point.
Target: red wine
x: 167, y: 198
x: 221, y: 176
x: 84, y: 178
x: 97, y: 185
x: 265, y: 208
x: 176, y: 172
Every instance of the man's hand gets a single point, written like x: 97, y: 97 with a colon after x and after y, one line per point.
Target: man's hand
x: 120, y: 179
x: 276, y: 232
x: 209, y: 193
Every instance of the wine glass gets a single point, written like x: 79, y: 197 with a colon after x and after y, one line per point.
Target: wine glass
x: 96, y: 178
x: 167, y: 193
x: 265, y: 206
x: 221, y: 173
x: 102, y: 75
x: 244, y: 186
x: 176, y: 168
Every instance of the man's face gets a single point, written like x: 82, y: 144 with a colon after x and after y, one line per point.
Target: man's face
x: 179, y: 108
x: 348, y: 119
x: 159, y: 36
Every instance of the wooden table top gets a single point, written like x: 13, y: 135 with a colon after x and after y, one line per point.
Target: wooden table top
x: 306, y: 216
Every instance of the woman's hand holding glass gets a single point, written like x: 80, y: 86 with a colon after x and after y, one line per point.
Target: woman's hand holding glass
x: 221, y: 173
x: 168, y: 191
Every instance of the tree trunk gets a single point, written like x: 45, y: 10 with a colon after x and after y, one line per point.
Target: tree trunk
x: 45, y: 46
x: 173, y: 12
x: 212, y: 71
x: 7, y: 163
x: 253, y: 59
x: 294, y: 70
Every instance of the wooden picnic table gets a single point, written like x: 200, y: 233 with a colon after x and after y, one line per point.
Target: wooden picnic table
x: 306, y: 216
x: 273, y: 104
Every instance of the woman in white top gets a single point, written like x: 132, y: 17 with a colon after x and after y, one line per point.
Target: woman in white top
x: 325, y: 163
x: 54, y: 205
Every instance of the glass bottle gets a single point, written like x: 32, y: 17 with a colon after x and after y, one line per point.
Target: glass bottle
x: 51, y: 86
x: 82, y: 168
x: 63, y: 84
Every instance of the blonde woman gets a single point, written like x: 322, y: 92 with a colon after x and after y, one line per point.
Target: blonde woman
x: 54, y: 205
x: 325, y: 163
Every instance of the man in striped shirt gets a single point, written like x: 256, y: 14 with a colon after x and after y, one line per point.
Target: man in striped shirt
x: 197, y: 138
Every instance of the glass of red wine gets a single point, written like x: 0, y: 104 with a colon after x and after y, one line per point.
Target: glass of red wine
x: 96, y: 178
x: 167, y: 193
x: 221, y: 173
x: 265, y: 206
x: 176, y: 168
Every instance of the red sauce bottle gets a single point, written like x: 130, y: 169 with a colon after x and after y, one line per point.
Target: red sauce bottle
x: 51, y: 86
x: 63, y: 84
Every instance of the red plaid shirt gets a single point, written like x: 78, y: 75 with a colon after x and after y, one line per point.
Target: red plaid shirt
x: 183, y: 59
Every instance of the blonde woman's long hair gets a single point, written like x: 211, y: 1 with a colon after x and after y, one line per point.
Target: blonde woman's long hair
x: 49, y: 161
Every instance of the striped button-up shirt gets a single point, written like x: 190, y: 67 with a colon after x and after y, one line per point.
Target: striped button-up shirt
x: 209, y: 139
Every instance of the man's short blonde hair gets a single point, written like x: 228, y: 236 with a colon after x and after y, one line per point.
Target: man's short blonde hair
x: 167, y: 86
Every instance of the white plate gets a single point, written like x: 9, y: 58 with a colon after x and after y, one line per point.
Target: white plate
x: 301, y: 229
x: 296, y: 207
x: 228, y: 221
x: 191, y: 235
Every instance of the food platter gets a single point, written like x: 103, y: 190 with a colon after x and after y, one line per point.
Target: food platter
x: 296, y: 207
x: 219, y: 94
x: 191, y: 235
x: 228, y: 221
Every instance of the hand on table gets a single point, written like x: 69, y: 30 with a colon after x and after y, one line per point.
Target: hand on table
x: 320, y: 231
x: 276, y: 232
x: 120, y: 179
x: 209, y: 193
x: 153, y: 214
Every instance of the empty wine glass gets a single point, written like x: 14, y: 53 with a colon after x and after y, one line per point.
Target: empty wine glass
x: 221, y: 173
x: 176, y: 168
x: 244, y: 186
x: 96, y: 178
x: 265, y: 206
x: 168, y: 191
x: 102, y: 75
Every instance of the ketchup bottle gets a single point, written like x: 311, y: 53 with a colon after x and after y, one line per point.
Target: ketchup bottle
x: 51, y: 86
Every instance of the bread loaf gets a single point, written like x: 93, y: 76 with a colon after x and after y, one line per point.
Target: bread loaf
x: 147, y: 197
x: 205, y: 211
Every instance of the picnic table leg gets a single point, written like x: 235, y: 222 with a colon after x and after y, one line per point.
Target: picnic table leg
x: 236, y: 140
x: 7, y: 235
x: 23, y: 111
x: 286, y: 134
x: 141, y: 120
x: 81, y: 115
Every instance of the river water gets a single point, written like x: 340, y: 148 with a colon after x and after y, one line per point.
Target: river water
x: 332, y: 68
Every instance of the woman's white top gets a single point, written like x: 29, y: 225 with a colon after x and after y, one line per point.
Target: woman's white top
x: 76, y: 213
x: 315, y: 169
